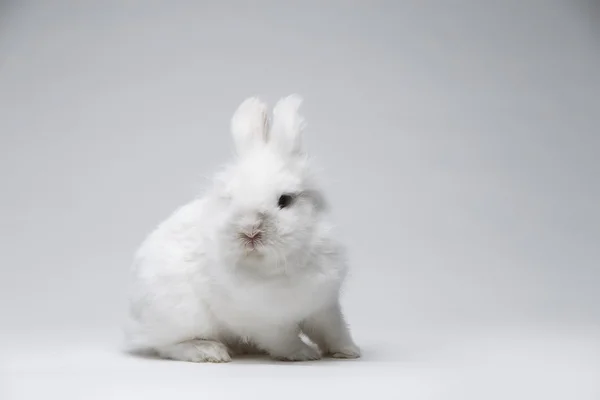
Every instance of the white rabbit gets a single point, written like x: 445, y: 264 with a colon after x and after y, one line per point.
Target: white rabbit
x: 252, y: 264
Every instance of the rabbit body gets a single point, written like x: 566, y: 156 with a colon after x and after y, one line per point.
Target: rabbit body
x: 251, y: 266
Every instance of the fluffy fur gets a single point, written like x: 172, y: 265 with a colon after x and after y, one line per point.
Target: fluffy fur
x: 234, y: 272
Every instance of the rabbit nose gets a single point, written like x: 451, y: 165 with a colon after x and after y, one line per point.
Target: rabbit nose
x: 255, y: 235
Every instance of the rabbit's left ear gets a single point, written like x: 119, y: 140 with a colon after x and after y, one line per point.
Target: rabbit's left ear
x: 249, y: 125
x: 288, y: 125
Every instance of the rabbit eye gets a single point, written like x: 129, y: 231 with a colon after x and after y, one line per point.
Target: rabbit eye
x: 285, y: 200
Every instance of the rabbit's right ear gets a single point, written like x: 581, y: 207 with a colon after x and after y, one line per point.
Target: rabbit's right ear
x: 249, y: 125
x: 288, y: 125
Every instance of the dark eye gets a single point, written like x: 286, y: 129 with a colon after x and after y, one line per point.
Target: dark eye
x: 285, y: 200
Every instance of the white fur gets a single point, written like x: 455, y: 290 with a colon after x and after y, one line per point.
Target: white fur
x: 201, y: 294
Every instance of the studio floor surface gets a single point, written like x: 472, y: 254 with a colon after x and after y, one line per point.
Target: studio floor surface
x: 510, y: 365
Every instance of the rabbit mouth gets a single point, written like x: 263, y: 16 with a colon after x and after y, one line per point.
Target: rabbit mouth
x: 253, y: 247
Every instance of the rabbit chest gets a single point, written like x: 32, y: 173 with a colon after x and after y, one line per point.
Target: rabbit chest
x: 246, y: 303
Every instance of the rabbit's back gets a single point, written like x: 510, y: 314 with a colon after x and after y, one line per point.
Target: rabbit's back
x: 168, y: 278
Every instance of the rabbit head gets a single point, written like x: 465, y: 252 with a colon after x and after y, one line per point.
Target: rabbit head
x: 269, y: 200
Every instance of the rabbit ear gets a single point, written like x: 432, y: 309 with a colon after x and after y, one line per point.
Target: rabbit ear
x: 288, y: 125
x: 249, y: 125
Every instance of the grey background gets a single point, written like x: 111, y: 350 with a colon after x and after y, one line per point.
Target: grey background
x: 459, y: 145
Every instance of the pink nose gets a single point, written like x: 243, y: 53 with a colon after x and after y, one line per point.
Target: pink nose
x: 251, y: 238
